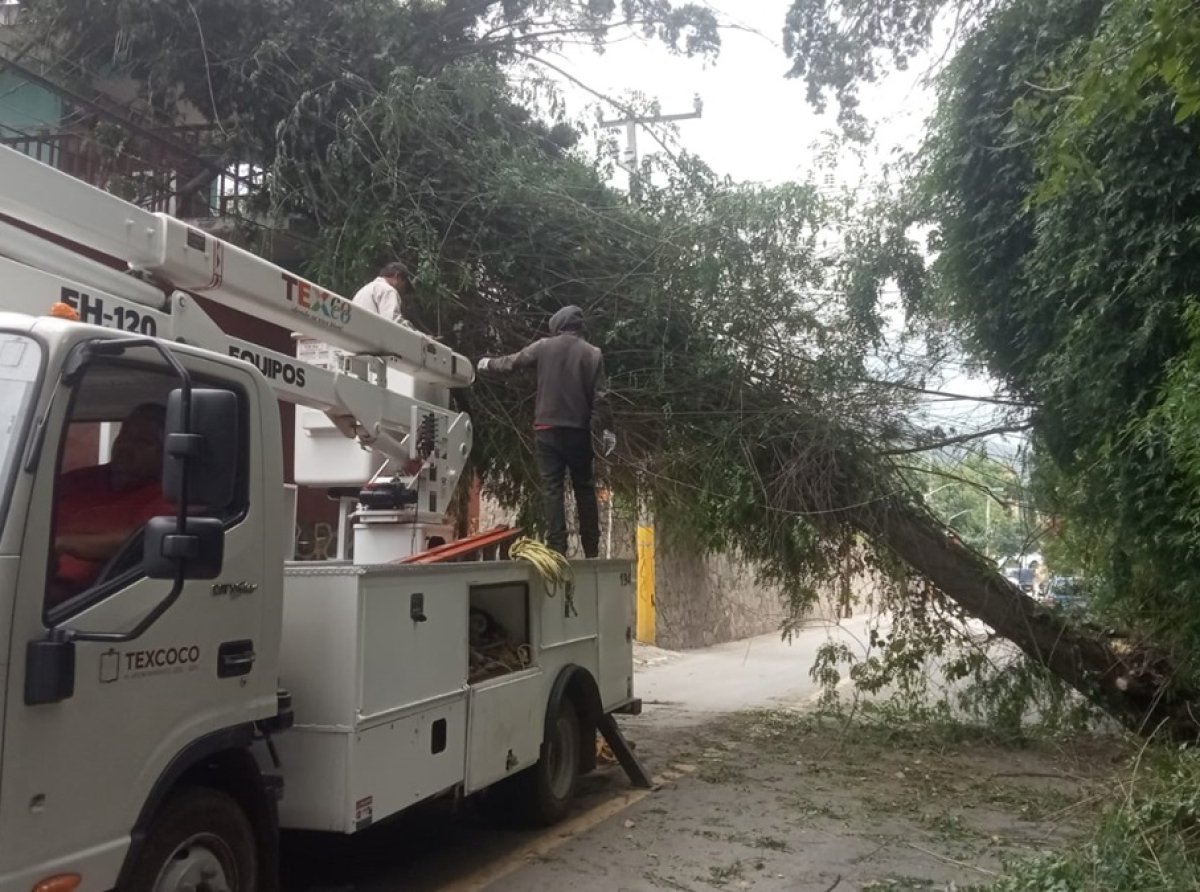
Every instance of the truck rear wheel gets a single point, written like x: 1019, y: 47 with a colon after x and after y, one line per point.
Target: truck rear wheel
x: 544, y: 791
x: 201, y: 841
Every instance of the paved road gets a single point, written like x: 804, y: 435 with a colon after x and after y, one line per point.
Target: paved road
x: 681, y: 689
x: 452, y: 848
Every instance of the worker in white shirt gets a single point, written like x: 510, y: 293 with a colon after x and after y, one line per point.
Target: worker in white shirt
x: 382, y: 294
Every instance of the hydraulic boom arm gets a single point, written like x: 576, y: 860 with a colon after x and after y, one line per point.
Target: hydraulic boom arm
x: 186, y: 259
x: 38, y: 271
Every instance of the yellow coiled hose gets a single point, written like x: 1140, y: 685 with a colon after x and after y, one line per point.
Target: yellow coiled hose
x: 554, y: 569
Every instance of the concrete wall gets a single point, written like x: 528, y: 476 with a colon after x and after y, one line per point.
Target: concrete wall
x: 702, y: 600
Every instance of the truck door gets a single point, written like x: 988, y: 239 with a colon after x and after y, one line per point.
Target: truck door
x: 21, y: 359
x: 76, y: 773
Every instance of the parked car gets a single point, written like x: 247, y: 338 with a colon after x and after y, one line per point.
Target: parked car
x: 1023, y: 578
x: 1065, y: 593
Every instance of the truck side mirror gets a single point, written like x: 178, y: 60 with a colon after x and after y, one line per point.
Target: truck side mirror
x: 207, y: 444
x: 200, y: 548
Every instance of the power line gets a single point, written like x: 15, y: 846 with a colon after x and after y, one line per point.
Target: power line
x: 629, y: 163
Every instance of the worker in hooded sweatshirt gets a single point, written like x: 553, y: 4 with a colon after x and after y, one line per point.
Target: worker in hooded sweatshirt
x: 571, y: 394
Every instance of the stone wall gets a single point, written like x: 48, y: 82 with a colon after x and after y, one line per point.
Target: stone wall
x: 703, y: 601
x: 706, y: 600
x: 700, y: 600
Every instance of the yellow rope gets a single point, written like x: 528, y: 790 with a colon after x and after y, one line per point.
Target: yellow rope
x: 498, y: 658
x: 554, y: 569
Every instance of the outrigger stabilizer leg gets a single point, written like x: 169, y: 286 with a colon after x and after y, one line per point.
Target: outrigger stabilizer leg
x: 634, y: 770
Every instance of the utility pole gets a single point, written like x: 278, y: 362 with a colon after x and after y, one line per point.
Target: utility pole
x: 646, y: 559
x: 629, y: 163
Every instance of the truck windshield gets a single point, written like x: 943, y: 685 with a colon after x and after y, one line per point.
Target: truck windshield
x: 20, y: 364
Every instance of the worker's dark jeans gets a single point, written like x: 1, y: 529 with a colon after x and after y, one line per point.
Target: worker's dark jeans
x: 557, y: 451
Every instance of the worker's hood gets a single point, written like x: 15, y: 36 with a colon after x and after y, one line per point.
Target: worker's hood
x: 567, y: 319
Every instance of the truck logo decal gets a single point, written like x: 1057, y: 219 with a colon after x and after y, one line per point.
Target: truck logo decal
x: 317, y: 304
x: 116, y: 664
x: 234, y: 588
x: 110, y: 666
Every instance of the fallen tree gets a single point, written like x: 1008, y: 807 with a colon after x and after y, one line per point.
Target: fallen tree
x: 1060, y: 181
x: 1136, y: 685
x: 1132, y: 681
x: 737, y: 348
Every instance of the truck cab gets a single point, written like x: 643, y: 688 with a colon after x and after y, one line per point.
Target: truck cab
x: 187, y: 685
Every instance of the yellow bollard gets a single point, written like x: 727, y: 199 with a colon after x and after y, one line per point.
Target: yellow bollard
x: 645, y: 584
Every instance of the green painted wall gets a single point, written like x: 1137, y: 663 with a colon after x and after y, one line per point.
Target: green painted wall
x: 26, y: 107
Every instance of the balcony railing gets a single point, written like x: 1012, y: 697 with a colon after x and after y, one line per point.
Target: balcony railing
x: 169, y: 171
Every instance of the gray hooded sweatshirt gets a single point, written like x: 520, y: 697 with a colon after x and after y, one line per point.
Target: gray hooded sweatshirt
x: 571, y: 386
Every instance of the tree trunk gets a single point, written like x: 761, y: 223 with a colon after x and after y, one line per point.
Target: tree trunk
x: 1135, y: 685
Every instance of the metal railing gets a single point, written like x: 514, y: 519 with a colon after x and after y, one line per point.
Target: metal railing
x: 168, y: 171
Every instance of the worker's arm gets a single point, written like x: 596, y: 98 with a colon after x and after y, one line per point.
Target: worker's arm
x: 522, y: 360
x: 602, y: 408
x: 381, y: 299
x: 389, y: 305
x: 388, y: 301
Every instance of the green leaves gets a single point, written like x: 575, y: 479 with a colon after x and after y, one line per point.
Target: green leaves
x: 985, y: 501
x: 838, y: 45
x: 1063, y: 176
x: 1145, y: 839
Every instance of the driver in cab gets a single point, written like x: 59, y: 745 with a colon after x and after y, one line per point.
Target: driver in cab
x: 97, y: 509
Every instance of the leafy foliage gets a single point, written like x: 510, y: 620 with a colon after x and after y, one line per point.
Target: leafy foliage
x: 1069, y: 268
x: 208, y: 52
x: 748, y: 416
x: 1147, y: 837
x: 923, y: 664
x: 1061, y: 180
x: 984, y: 501
x: 837, y: 46
x: 394, y: 130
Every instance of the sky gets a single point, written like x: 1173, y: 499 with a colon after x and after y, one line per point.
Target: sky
x: 757, y: 124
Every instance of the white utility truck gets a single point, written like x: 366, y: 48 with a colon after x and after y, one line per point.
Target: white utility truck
x: 170, y: 703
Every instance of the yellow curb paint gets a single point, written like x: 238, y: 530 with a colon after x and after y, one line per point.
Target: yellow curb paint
x: 545, y: 843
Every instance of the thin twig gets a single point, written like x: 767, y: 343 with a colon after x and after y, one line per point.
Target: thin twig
x: 962, y: 438
x: 955, y: 862
x: 1056, y: 775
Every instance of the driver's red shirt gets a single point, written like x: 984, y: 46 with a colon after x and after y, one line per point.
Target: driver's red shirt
x: 86, y: 502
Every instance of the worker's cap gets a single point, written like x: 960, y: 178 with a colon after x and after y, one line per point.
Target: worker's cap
x: 395, y: 268
x: 567, y: 319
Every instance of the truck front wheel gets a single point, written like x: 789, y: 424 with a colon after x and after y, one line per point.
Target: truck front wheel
x: 201, y: 841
